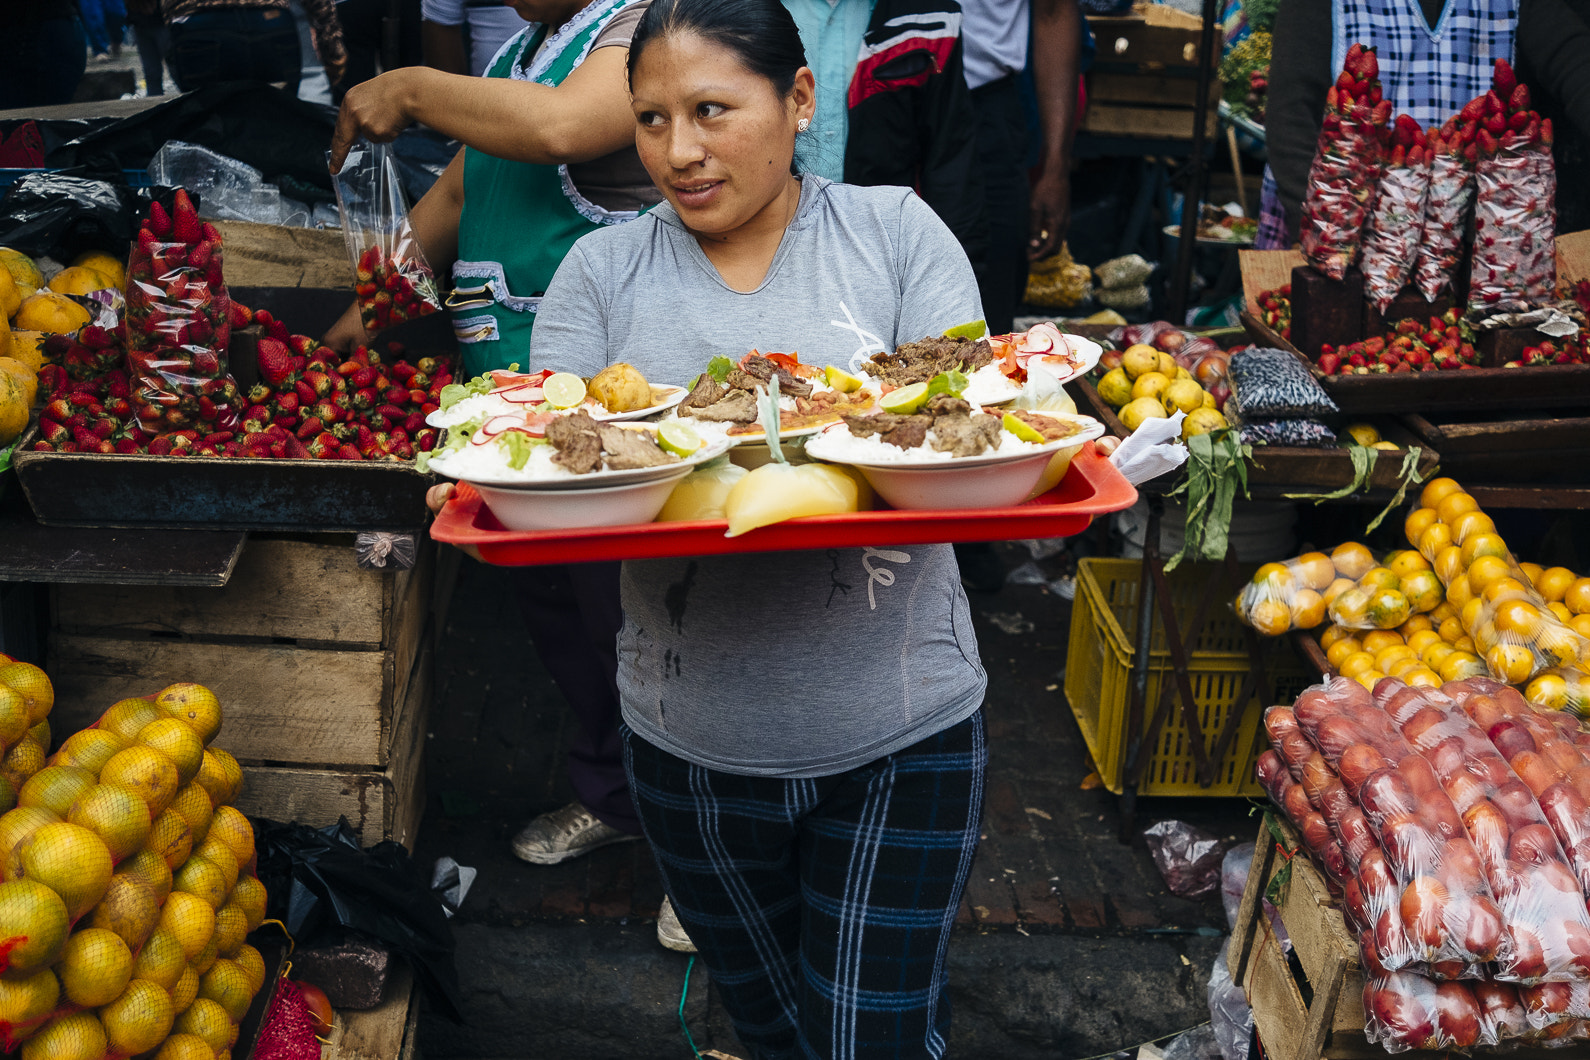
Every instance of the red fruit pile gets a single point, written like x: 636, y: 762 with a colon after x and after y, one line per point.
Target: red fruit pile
x: 1347, y: 165
x: 1443, y: 343
x: 90, y: 351
x: 1453, y: 150
x: 1275, y: 309
x: 1453, y: 823
x: 1515, y: 214
x: 391, y: 290
x: 1553, y: 351
x: 178, y: 322
x: 1391, y: 247
x: 312, y: 403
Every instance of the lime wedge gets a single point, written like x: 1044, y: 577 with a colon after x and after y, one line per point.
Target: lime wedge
x: 563, y: 390
x: 842, y: 380
x: 975, y: 330
x: 1021, y: 429
x: 906, y: 400
x: 678, y: 437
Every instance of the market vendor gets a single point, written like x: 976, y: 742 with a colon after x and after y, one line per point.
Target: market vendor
x: 1434, y: 56
x: 804, y: 730
x: 549, y: 156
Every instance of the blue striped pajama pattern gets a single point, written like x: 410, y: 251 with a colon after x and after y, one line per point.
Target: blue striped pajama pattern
x: 822, y: 906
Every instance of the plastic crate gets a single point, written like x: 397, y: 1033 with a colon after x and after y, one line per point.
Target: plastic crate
x: 1099, y: 679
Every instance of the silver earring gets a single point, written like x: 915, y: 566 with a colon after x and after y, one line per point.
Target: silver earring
x: 803, y: 125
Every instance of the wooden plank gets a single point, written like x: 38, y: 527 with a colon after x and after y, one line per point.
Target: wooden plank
x: 281, y: 703
x: 1132, y: 40
x: 66, y: 556
x: 1153, y: 88
x: 1106, y: 120
x: 377, y: 1033
x: 275, y: 256
x: 378, y: 805
x: 283, y: 589
x: 1573, y: 259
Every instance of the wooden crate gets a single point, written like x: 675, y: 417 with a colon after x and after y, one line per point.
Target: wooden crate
x: 1313, y: 1010
x: 322, y: 669
x: 1144, y: 83
x: 387, y: 1032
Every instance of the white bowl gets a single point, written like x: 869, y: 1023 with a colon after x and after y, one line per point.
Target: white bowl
x: 987, y: 486
x: 564, y: 509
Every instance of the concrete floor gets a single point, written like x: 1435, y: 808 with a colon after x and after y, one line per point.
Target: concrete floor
x: 1068, y: 944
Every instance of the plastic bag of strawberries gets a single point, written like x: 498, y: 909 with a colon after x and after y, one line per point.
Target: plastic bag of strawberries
x: 178, y: 323
x: 392, y: 280
x: 1347, y: 162
x: 1392, y: 245
x: 1446, y: 211
x: 1515, y: 214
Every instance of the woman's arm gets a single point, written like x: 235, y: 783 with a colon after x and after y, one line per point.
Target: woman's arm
x: 435, y: 223
x: 585, y: 117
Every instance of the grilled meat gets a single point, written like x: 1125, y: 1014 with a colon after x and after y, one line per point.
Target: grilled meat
x: 577, y: 441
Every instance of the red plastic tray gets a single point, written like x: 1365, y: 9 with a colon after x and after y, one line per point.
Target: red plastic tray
x: 1091, y: 487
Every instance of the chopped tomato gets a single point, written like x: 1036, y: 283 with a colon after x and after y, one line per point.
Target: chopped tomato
x: 790, y: 362
x: 501, y: 379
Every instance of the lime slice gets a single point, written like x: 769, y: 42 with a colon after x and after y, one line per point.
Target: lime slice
x: 906, y: 400
x: 563, y: 390
x: 1021, y: 429
x: 975, y: 330
x: 842, y: 380
x: 678, y: 437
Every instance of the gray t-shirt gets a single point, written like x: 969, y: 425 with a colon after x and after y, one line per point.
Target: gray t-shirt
x: 790, y: 664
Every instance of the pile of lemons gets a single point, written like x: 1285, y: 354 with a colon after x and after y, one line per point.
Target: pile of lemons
x: 128, y: 891
x: 1149, y: 384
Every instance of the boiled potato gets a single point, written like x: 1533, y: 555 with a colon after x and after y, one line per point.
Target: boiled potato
x: 621, y: 388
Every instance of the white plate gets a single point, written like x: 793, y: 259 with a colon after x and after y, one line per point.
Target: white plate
x: 594, y: 479
x: 1091, y: 429
x: 676, y: 394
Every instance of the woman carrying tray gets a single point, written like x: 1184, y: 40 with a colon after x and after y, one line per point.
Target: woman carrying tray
x: 803, y: 730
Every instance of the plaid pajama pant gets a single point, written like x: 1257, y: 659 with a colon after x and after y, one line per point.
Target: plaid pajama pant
x: 822, y: 906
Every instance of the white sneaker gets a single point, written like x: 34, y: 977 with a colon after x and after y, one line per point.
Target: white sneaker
x: 564, y: 834
x: 670, y: 932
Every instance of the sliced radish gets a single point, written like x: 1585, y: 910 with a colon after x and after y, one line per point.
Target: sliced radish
x: 497, y: 424
x: 522, y: 395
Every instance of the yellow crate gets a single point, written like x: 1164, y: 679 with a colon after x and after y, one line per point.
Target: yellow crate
x: 1099, y: 680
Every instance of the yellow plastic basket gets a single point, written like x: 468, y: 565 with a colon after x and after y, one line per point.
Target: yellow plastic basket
x: 1099, y: 679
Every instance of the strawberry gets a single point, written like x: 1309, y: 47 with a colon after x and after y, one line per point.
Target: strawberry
x: 185, y: 225
x: 310, y: 427
x: 275, y: 362
x: 159, y: 220
x: 239, y: 315
x: 1502, y: 76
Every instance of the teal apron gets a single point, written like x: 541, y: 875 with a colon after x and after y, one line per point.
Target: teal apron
x: 519, y: 218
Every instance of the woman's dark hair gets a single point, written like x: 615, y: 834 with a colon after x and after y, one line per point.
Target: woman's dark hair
x: 761, y: 32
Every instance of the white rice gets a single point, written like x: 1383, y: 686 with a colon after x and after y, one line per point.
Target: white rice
x: 490, y: 462
x: 838, y: 444
x: 989, y: 386
x: 474, y: 407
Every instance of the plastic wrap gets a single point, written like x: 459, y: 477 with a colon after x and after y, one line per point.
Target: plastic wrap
x: 1446, y: 206
x: 1541, y: 905
x: 1392, y: 246
x: 1274, y: 384
x: 1234, y: 869
x: 392, y: 280
x: 178, y: 324
x: 1187, y: 857
x: 1448, y: 913
x: 1405, y: 1010
x: 1297, y: 434
x: 1229, y: 1014
x: 1346, y: 170
x: 1288, y: 794
x: 1503, y: 1017
x: 1563, y: 688
x: 1515, y: 214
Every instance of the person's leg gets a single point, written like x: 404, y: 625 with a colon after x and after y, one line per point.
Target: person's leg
x: 1002, y: 145
x: 884, y: 860
x: 149, y: 36
x: 93, y: 13
x: 725, y: 846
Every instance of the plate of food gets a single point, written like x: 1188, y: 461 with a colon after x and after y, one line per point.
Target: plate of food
x: 617, y: 393
x: 996, y: 367
x: 950, y: 453
x: 724, y: 401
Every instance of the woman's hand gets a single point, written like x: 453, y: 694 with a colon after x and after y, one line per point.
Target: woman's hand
x: 347, y: 332
x: 377, y: 110
x: 436, y: 499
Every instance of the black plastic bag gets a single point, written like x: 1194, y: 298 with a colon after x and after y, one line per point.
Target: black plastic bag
x: 64, y: 214
x: 319, y: 881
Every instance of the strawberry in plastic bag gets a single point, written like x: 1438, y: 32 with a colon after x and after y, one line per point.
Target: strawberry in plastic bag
x: 392, y: 280
x: 178, y: 323
x: 1392, y: 245
x: 1346, y: 170
x: 1515, y: 214
x: 1453, y: 150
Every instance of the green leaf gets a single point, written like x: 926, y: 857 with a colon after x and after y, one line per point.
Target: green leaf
x: 1276, y: 890
x: 768, y: 404
x: 1407, y: 475
x: 952, y: 383
x: 519, y: 446
x: 718, y: 368
x: 1363, y: 459
x: 1216, y: 469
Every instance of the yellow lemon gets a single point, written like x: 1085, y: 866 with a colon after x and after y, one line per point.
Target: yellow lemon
x: 1115, y: 387
x: 138, y: 1020
x: 1140, y: 409
x: 49, y: 312
x: 105, y: 264
x: 74, y: 1036
x: 95, y: 967
x: 1150, y: 385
